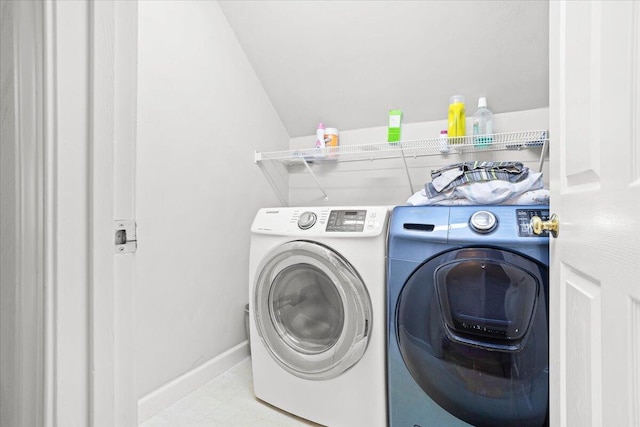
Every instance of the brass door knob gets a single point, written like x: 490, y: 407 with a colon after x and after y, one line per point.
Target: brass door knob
x: 552, y: 225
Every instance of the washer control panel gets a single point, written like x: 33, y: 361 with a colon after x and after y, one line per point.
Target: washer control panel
x: 524, y: 221
x: 346, y: 220
x: 316, y: 221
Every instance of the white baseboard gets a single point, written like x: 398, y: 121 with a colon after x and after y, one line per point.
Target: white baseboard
x: 175, y: 390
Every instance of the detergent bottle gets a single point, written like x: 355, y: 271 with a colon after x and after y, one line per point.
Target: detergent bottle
x: 456, y: 122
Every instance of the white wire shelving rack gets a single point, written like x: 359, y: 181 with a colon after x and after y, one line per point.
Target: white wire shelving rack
x: 284, y: 160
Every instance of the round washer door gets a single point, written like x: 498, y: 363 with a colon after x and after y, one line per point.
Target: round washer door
x: 472, y: 328
x: 312, y: 310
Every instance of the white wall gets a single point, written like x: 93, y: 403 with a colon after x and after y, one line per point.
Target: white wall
x: 384, y: 182
x: 201, y: 114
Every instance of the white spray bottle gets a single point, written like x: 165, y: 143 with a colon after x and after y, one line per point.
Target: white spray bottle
x: 320, y: 136
x: 320, y: 143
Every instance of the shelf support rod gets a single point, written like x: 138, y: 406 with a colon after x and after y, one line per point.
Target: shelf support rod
x: 544, y: 151
x: 313, y: 175
x: 406, y: 169
x: 274, y: 185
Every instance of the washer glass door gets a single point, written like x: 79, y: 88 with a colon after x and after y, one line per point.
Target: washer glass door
x: 313, y: 312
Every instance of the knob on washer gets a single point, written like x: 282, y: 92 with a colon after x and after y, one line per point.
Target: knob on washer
x: 306, y: 220
x: 483, y: 222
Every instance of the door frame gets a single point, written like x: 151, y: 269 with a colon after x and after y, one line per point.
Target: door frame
x: 70, y: 125
x: 22, y: 327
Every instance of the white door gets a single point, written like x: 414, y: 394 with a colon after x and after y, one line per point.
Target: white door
x: 595, y: 184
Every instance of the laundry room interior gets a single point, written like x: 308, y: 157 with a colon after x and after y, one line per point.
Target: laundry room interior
x: 200, y: 124
x: 211, y: 111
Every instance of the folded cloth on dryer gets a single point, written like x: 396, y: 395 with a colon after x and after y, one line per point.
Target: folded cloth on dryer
x: 488, y: 193
x: 463, y: 173
x: 533, y: 197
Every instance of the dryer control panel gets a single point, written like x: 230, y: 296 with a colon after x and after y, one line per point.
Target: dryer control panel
x: 524, y: 221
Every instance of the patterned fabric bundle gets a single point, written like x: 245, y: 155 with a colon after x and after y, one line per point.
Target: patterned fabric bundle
x: 462, y: 173
x: 478, y: 183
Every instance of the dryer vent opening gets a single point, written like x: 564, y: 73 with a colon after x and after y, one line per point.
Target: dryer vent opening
x: 419, y: 227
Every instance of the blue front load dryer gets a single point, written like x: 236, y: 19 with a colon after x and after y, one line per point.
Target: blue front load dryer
x: 468, y: 317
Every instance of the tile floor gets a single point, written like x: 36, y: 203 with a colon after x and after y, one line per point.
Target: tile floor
x: 227, y: 401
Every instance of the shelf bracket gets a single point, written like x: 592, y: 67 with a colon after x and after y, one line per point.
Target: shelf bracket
x: 545, y: 146
x: 277, y: 171
x: 313, y: 175
x: 406, y: 169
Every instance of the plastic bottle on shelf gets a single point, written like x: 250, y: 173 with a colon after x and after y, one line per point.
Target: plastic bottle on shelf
x: 320, y: 143
x: 320, y: 136
x: 331, y: 142
x: 482, y: 124
x: 443, y: 142
x: 456, y: 120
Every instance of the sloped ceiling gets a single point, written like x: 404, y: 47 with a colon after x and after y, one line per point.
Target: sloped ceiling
x: 346, y: 63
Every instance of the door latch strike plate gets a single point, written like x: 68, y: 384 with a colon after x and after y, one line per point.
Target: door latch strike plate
x: 125, y: 236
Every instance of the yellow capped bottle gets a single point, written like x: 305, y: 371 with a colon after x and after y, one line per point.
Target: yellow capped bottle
x: 456, y: 125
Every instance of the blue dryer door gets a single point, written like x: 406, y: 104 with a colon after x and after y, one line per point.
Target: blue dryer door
x: 472, y: 328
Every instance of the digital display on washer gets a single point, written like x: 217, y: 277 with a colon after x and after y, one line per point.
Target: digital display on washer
x: 524, y: 221
x: 346, y: 220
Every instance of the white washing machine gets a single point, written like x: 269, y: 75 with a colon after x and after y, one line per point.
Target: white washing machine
x: 317, y: 293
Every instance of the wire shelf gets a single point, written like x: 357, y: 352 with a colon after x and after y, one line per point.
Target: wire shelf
x: 275, y: 164
x: 411, y: 148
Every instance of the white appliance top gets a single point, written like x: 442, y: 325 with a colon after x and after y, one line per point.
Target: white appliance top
x: 340, y: 221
